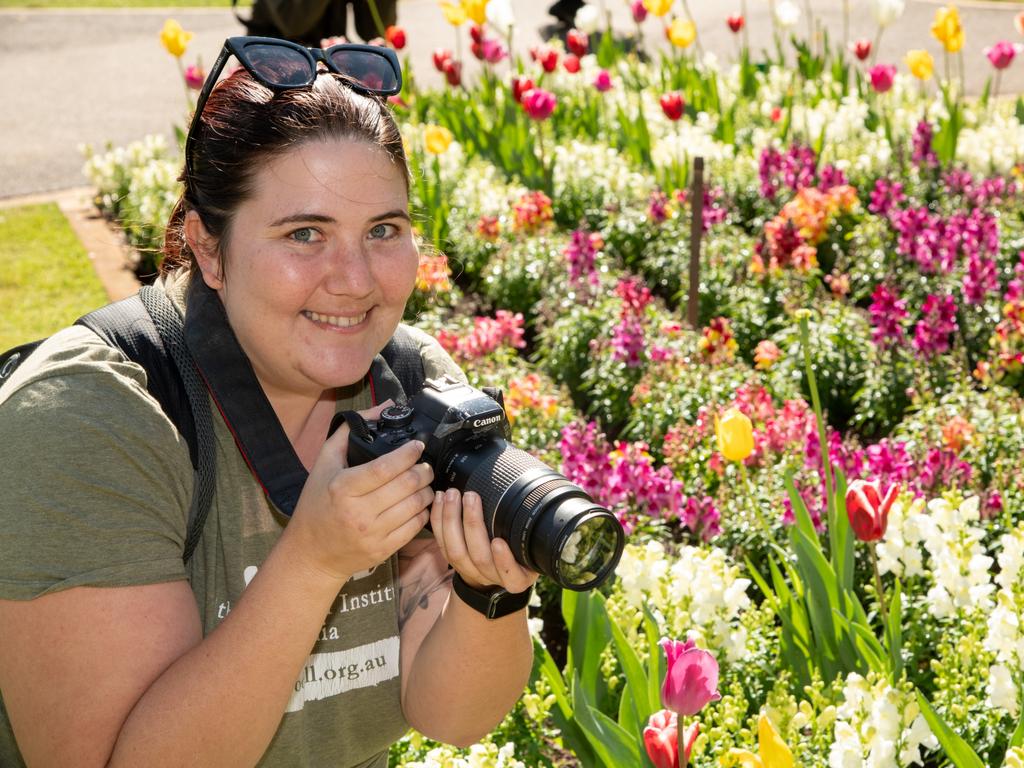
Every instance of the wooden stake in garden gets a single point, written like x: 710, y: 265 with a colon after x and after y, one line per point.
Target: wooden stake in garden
x: 696, y: 232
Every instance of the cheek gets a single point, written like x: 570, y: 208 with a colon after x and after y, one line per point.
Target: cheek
x: 398, y: 277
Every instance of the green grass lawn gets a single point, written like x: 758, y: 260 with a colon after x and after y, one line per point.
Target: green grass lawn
x: 46, y: 278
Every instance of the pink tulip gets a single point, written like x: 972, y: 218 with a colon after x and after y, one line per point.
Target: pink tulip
x: 691, y: 679
x: 661, y: 739
x: 194, y: 78
x: 1003, y: 53
x: 640, y: 11
x: 539, y: 104
x: 882, y: 77
x: 868, y: 508
x: 603, y: 81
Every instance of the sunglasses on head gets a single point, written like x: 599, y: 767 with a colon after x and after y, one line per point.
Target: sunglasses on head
x: 281, y: 64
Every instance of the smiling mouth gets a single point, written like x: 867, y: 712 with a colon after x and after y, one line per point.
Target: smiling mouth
x: 338, y: 321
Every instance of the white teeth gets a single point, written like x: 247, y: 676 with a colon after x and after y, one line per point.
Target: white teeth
x: 340, y: 322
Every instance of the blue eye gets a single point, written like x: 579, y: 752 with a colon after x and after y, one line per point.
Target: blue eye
x: 304, y: 235
x: 380, y: 230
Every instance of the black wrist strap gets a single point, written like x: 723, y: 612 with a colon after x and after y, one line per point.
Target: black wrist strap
x: 492, y: 602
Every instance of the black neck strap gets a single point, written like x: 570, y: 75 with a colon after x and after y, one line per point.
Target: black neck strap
x: 241, y: 401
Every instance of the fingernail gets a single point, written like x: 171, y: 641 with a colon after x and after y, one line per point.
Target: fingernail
x: 420, y: 447
x: 438, y: 497
x: 452, y: 494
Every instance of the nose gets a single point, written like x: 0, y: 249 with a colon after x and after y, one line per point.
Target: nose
x: 348, y: 271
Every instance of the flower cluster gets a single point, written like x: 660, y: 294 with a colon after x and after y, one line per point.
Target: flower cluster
x: 717, y: 344
x: 484, y: 755
x: 1005, y: 636
x: 581, y: 253
x: 628, y: 338
x: 532, y: 211
x: 938, y: 322
x: 888, y: 311
x: 525, y: 393
x: 794, y: 169
x: 488, y: 334
x: 433, y: 273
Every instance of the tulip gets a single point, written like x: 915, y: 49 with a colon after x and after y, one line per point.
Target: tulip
x: 639, y: 11
x: 947, y: 29
x: 454, y: 13
x: 886, y: 12
x: 868, y: 509
x: 691, y: 677
x: 587, y: 19
x: 492, y: 51
x: 776, y: 114
x: 603, y: 81
x: 194, y: 77
x: 571, y: 63
x: 546, y: 56
x: 661, y: 739
x: 1002, y: 54
x: 735, y: 22
x: 787, y: 14
x: 174, y: 38
x: 861, y: 49
x: 672, y: 104
x: 453, y: 72
x: 520, y: 85
x: 476, y: 33
x: 735, y: 435
x: 774, y: 753
x: 501, y: 16
x: 1018, y: 23
x: 539, y: 104
x: 658, y: 7
x: 476, y: 11
x: 437, y: 139
x: 577, y: 42
x: 395, y: 36
x: 920, y: 63
x: 882, y: 77
x: 441, y: 57
x: 681, y: 33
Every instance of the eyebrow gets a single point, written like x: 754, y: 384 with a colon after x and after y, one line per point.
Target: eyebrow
x: 320, y: 217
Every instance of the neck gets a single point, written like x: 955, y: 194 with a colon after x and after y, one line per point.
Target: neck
x: 305, y: 420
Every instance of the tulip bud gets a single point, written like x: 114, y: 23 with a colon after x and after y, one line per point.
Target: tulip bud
x: 476, y: 49
x: 476, y: 33
x: 776, y: 114
x: 691, y: 678
x: 861, y: 49
x: 571, y: 63
x: 639, y: 11
x: 1002, y: 54
x: 603, y: 81
x: 538, y: 103
x: 672, y: 104
x: 577, y: 42
x: 882, y: 77
x: 661, y: 738
x: 194, y: 77
x: 441, y: 55
x: 868, y: 509
x: 453, y: 72
x: 735, y: 22
x: 395, y: 36
x: 520, y: 85
x: 735, y: 435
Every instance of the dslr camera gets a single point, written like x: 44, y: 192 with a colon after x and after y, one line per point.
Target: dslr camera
x: 552, y: 526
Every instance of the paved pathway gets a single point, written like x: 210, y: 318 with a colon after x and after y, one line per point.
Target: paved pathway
x: 69, y: 77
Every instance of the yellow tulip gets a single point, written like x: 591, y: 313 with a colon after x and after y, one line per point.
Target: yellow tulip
x: 947, y: 29
x: 658, y: 7
x: 682, y: 33
x: 735, y: 435
x: 476, y: 10
x: 437, y: 139
x: 743, y: 758
x: 920, y: 63
x: 174, y: 38
x: 454, y: 13
x: 774, y: 752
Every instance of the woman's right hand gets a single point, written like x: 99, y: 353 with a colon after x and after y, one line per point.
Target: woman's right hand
x: 354, y: 518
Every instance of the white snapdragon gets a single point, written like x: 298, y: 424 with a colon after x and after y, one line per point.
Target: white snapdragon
x: 579, y: 163
x: 1004, y: 637
x: 960, y: 568
x: 477, y: 756
x: 899, y: 551
x: 878, y: 726
x: 993, y: 146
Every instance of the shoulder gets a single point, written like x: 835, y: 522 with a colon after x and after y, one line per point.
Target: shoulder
x: 436, y: 360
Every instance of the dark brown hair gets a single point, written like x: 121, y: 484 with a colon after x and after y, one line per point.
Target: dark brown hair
x: 245, y: 124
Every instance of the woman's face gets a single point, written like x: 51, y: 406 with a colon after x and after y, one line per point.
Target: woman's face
x: 320, y: 261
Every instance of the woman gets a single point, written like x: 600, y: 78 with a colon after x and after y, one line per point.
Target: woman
x: 307, y: 641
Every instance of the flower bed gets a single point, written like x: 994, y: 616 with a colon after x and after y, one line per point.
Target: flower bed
x: 861, y: 287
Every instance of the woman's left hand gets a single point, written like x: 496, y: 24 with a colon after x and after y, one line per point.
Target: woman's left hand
x: 458, y: 524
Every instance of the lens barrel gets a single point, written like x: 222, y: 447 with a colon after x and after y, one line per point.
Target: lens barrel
x: 551, y: 524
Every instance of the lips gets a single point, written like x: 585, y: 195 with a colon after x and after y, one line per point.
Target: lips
x: 337, y: 321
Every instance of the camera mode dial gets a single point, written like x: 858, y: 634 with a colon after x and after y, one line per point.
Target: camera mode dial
x: 396, y: 417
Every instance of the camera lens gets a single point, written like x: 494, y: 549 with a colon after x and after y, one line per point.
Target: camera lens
x: 551, y: 524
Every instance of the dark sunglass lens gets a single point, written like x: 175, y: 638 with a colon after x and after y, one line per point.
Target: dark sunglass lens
x: 370, y: 70
x: 279, y: 64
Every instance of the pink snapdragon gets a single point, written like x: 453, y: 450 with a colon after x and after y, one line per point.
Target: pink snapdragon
x: 488, y: 334
x: 885, y: 196
x: 887, y: 311
x: 581, y: 253
x: 937, y: 324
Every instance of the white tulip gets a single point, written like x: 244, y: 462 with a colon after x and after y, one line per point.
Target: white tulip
x: 787, y: 13
x: 588, y: 19
x: 500, y: 16
x: 887, y: 11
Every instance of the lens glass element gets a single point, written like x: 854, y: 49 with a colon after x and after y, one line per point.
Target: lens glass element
x: 588, y: 550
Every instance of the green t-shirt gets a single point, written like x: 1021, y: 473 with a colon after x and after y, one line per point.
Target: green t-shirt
x: 96, y: 485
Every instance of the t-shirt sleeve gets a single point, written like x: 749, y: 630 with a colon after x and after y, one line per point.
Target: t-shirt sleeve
x: 95, y: 482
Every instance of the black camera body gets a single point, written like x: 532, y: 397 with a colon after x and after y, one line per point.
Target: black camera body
x: 551, y: 525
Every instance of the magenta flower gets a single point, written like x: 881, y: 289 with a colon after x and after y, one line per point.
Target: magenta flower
x: 603, y: 81
x: 937, y: 324
x: 194, y: 77
x: 888, y: 311
x: 1003, y: 53
x: 639, y: 10
x: 882, y: 77
x: 691, y: 679
x: 539, y: 104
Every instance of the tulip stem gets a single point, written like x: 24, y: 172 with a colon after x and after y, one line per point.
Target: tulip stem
x: 754, y: 506
x: 812, y: 383
x: 681, y: 741
x: 879, y: 591
x: 377, y: 21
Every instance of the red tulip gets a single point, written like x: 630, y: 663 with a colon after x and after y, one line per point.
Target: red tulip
x: 577, y: 42
x: 672, y: 104
x: 453, y: 72
x: 476, y: 33
x: 547, y: 57
x: 661, y: 738
x: 520, y: 85
x: 441, y: 55
x: 395, y: 37
x: 571, y: 63
x: 868, y: 508
x: 735, y: 22
x: 691, y: 678
x: 538, y: 103
x: 776, y: 114
x: 882, y: 77
x: 861, y: 49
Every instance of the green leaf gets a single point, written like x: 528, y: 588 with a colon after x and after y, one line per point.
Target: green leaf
x: 803, y: 518
x: 894, y: 632
x: 1019, y: 110
x: 655, y: 663
x: 842, y: 538
x: 636, y: 677
x: 613, y: 746
x: 956, y: 749
x: 1018, y: 734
